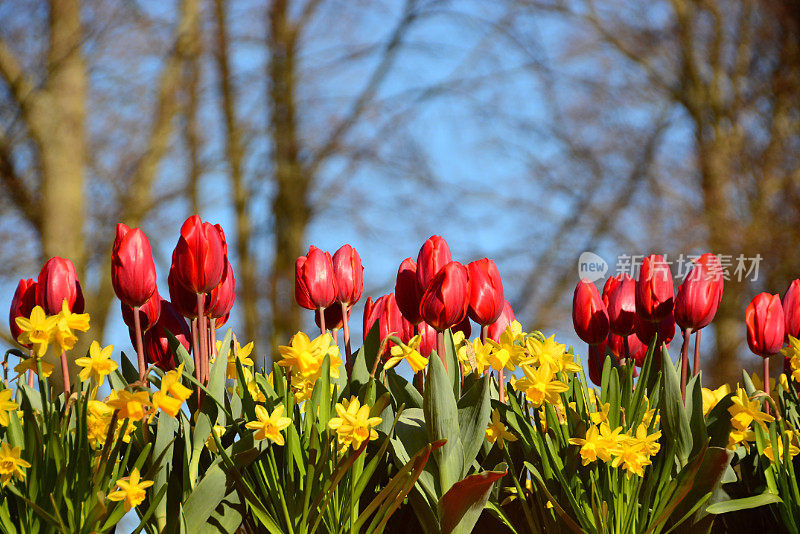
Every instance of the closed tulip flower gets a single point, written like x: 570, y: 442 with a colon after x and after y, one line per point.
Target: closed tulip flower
x: 502, y: 322
x: 314, y: 281
x: 621, y: 306
x: 427, y: 339
x: 654, y: 289
x: 333, y: 317
x: 385, y: 312
x: 446, y: 299
x: 589, y: 314
x: 220, y: 300
x: 765, y: 324
x: 791, y: 309
x: 408, y: 292
x: 465, y: 327
x: 700, y: 294
x: 21, y: 304
x: 665, y: 329
x: 57, y: 282
x: 434, y: 254
x: 636, y: 349
x: 133, y: 273
x: 199, y: 256
x: 149, y: 312
x: 156, y: 341
x: 184, y: 301
x: 486, y: 295
x: 595, y: 361
x: 349, y: 275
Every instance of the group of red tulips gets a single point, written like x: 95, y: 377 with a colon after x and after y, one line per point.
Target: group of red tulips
x: 431, y: 295
x: 630, y: 313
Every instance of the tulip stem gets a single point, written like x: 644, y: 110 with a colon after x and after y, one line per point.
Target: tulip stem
x: 684, y: 361
x: 196, y: 355
x: 696, y: 368
x: 65, y: 374
x: 30, y: 371
x: 137, y: 326
x: 202, y: 338
x: 440, y: 348
x: 322, y: 328
x: 627, y: 348
x: 346, y: 329
x: 766, y: 384
x: 484, y: 333
x: 213, y: 326
x: 501, y: 385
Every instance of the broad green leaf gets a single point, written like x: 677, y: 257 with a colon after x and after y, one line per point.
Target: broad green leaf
x: 441, y: 419
x: 463, y: 503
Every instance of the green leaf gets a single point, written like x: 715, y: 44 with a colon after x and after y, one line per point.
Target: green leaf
x: 461, y: 506
x: 441, y: 418
x: 745, y: 503
x: 474, y: 412
x: 673, y: 416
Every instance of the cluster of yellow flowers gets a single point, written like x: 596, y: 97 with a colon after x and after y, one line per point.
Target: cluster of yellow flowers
x: 354, y: 426
x: 632, y: 450
x: 793, y: 353
x: 39, y: 331
x: 304, y: 359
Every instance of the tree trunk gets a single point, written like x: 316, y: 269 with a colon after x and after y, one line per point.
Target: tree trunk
x: 290, y: 205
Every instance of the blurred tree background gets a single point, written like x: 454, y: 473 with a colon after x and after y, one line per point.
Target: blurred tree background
x: 528, y: 131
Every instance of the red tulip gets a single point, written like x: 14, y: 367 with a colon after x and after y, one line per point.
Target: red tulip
x: 222, y: 237
x: 314, y: 281
x: 156, y: 342
x: 765, y: 324
x: 390, y: 321
x: 446, y: 299
x: 665, y: 329
x: 22, y: 304
x: 791, y: 309
x: 486, y: 296
x: 700, y: 294
x: 333, y: 317
x: 621, y: 305
x: 219, y: 322
x: 349, y: 275
x: 199, y: 256
x: 464, y: 327
x: 184, y: 301
x: 408, y: 292
x: 133, y: 273
x: 433, y: 255
x: 58, y: 282
x: 589, y: 315
x: 149, y: 312
x: 596, y: 360
x: 502, y: 322
x: 427, y: 339
x: 636, y: 349
x: 654, y: 289
x: 220, y: 301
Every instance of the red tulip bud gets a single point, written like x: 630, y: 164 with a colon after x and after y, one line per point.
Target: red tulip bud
x: 314, y: 281
x: 184, y: 301
x: 149, y: 312
x: 58, y: 282
x: 791, y: 309
x: 133, y: 273
x: 596, y: 360
x: 765, y: 324
x: 156, y: 342
x: 219, y: 322
x: 433, y: 255
x: 390, y: 321
x: 349, y: 275
x: 502, y: 322
x: 199, y: 256
x: 665, y: 329
x: 446, y: 299
x: 636, y: 349
x: 486, y: 296
x: 222, y: 238
x: 22, y: 304
x: 464, y: 327
x: 408, y: 292
x: 654, y: 289
x: 333, y: 317
x: 427, y: 337
x: 621, y: 305
x: 589, y: 315
x: 700, y: 294
x: 220, y: 301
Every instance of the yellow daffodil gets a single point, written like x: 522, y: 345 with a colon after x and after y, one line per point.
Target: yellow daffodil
x: 792, y: 351
x: 500, y: 356
x: 408, y: 352
x: 98, y: 417
x: 6, y: 405
x: 496, y: 431
x: 66, y: 325
x: 132, y: 406
x: 600, y: 416
x: 711, y: 398
x: 354, y: 426
x: 648, y: 442
x: 238, y: 353
x: 540, y: 385
x: 98, y: 364
x: 476, y: 356
x: 131, y: 490
x: 793, y: 449
x: 305, y: 357
x: 269, y: 425
x: 29, y: 364
x: 37, y: 330
x: 592, y: 446
x: 740, y: 437
x: 632, y: 456
x: 744, y: 411
x: 549, y: 352
x: 172, y: 393
x: 11, y: 465
x: 211, y: 444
